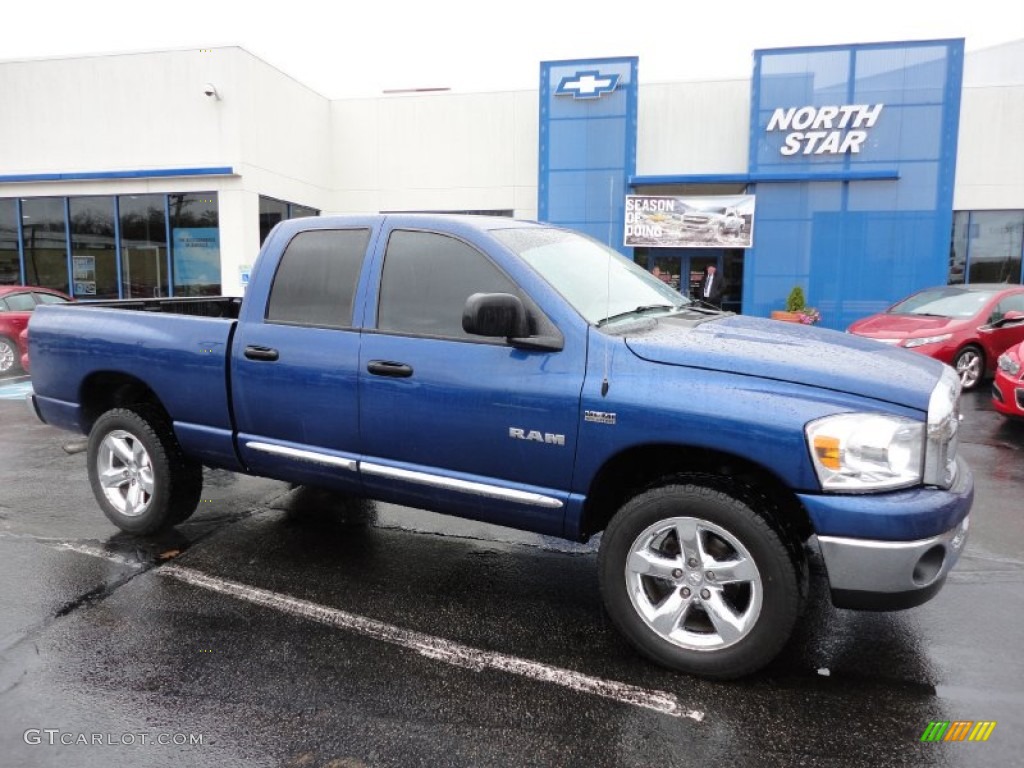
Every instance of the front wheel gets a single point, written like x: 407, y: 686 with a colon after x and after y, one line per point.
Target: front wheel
x: 8, y: 355
x: 138, y: 475
x: 970, y: 365
x: 698, y: 581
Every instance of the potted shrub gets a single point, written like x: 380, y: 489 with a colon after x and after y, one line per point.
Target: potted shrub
x: 797, y: 310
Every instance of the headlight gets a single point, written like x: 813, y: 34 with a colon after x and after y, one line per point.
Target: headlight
x: 1008, y: 365
x: 911, y: 343
x: 866, y: 451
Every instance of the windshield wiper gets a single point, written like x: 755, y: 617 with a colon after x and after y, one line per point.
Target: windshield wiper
x: 637, y: 311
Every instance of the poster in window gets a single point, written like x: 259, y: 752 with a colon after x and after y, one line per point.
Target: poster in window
x: 196, y: 260
x: 84, y: 275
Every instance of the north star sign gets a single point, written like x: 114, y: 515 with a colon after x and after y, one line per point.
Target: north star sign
x: 829, y: 130
x: 587, y: 85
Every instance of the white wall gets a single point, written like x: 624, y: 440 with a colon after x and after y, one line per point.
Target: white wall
x: 437, y: 151
x: 990, y: 152
x: 690, y: 128
x: 124, y: 112
x: 148, y: 111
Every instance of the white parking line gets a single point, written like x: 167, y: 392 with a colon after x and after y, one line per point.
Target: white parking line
x: 427, y: 645
x: 15, y: 390
x: 85, y: 549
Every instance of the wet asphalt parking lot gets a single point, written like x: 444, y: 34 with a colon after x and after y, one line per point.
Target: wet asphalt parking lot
x: 289, y: 627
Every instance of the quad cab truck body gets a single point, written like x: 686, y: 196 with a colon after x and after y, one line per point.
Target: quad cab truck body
x: 528, y: 376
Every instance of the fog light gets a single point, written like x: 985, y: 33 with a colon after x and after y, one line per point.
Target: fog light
x: 928, y: 567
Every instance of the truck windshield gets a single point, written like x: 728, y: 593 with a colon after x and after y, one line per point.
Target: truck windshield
x: 601, y: 284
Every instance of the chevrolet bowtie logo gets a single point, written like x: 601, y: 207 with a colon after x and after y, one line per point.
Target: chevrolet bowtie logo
x: 587, y: 85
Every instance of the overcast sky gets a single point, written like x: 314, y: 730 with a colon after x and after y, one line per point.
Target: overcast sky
x: 345, y: 48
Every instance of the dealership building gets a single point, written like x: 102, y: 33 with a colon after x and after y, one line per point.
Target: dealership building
x: 858, y: 172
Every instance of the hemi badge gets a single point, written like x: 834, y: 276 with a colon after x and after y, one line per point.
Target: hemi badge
x: 599, y: 417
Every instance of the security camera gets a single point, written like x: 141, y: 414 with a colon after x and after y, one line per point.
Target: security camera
x: 211, y: 90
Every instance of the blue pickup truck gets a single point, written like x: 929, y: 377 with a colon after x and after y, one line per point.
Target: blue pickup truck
x: 526, y: 375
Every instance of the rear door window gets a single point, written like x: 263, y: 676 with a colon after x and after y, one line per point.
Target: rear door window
x: 316, y: 280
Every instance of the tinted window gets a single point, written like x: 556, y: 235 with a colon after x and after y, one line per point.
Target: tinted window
x: 426, y: 281
x: 21, y: 302
x: 316, y: 280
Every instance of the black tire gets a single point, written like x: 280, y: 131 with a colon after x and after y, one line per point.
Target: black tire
x: 763, y: 594
x: 153, y: 488
x: 10, y: 357
x: 970, y: 366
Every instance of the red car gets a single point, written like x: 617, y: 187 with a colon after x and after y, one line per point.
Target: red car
x: 1008, y: 388
x: 965, y: 326
x: 16, y: 305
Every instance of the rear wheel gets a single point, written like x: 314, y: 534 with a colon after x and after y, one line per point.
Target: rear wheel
x: 138, y: 475
x: 970, y: 366
x: 698, y: 580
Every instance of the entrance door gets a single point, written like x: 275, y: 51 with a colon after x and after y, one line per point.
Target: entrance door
x: 696, y: 266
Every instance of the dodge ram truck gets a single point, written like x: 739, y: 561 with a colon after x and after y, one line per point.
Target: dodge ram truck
x: 529, y: 376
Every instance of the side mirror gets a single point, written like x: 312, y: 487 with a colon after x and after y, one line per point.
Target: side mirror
x: 1010, y: 318
x: 495, y: 315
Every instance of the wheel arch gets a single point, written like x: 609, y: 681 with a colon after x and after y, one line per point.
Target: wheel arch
x: 105, y: 390
x: 641, y: 467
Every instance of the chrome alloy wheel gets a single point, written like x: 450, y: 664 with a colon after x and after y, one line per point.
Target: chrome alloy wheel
x: 694, y: 584
x: 968, y: 366
x: 125, y: 473
x: 7, y: 356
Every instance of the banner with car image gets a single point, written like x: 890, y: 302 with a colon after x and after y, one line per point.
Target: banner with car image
x: 718, y: 221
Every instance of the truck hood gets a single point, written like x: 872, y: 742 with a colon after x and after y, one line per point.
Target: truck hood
x: 801, y: 354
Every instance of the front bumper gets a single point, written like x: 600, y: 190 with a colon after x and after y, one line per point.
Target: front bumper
x: 1008, y: 394
x: 890, y: 575
x: 893, y: 550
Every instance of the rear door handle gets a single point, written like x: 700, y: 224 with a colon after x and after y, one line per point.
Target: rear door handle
x: 388, y: 368
x: 260, y: 353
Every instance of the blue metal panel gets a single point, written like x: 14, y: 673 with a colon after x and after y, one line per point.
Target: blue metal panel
x: 587, y: 144
x: 867, y: 174
x: 856, y: 229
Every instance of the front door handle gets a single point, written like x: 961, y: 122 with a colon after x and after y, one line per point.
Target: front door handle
x: 388, y: 368
x: 260, y: 353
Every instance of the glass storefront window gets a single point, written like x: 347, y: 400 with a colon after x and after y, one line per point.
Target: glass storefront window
x: 958, y: 248
x: 93, y: 250
x: 44, y: 240
x: 143, y: 246
x: 10, y: 265
x: 995, y: 241
x: 272, y: 212
x: 195, y: 244
x: 303, y: 212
